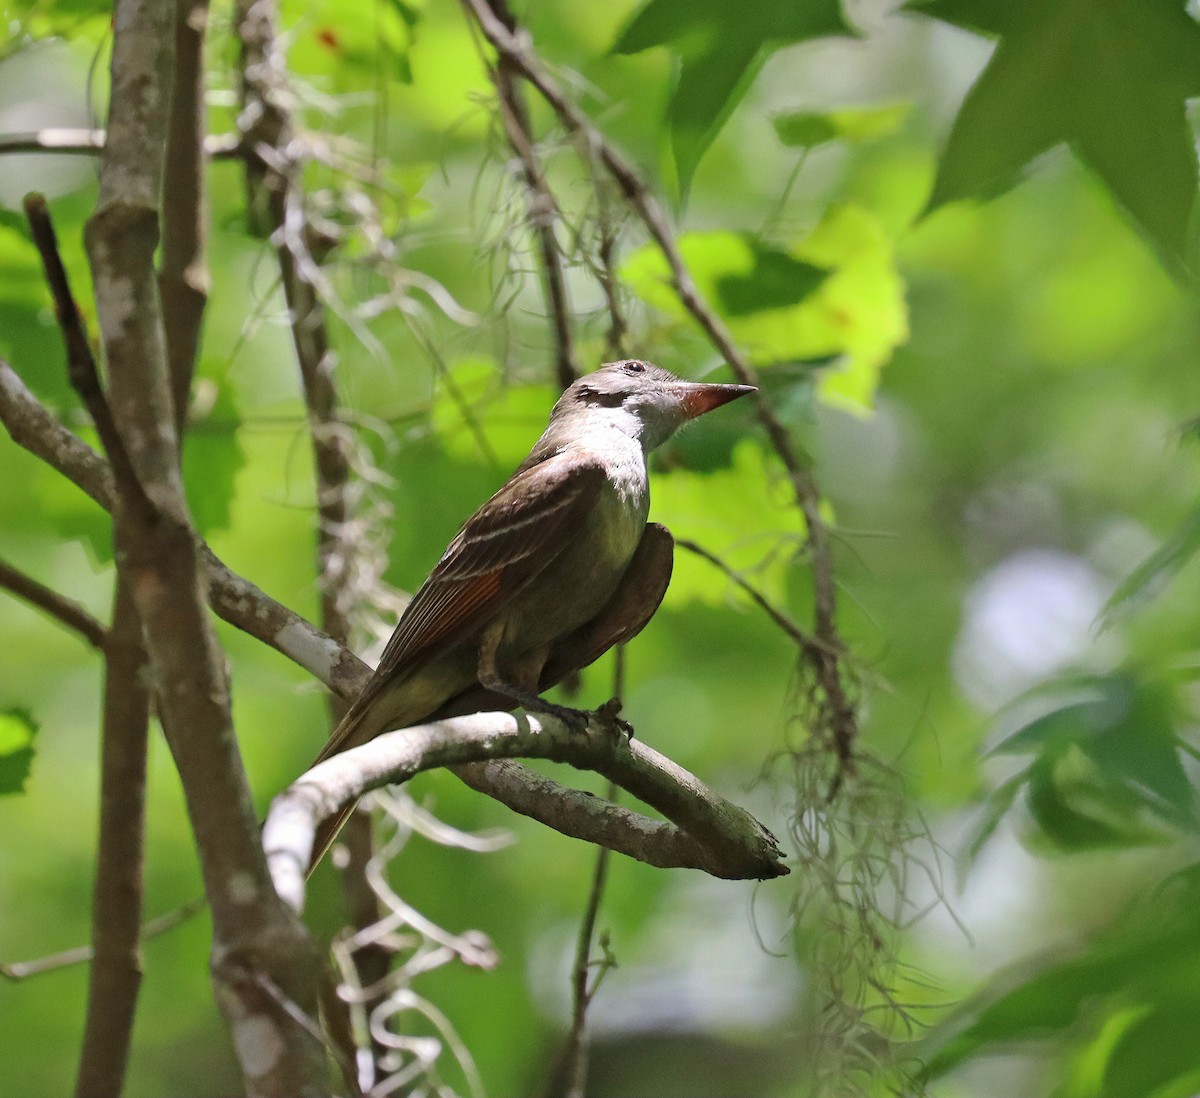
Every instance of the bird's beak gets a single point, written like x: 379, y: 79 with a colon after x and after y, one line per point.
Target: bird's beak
x: 697, y: 397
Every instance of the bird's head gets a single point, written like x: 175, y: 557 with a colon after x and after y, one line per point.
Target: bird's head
x: 642, y: 400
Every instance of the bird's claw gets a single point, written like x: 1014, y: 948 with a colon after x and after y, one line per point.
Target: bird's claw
x: 575, y: 719
x: 609, y: 714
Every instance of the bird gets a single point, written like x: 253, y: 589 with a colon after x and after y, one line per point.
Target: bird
x: 559, y: 566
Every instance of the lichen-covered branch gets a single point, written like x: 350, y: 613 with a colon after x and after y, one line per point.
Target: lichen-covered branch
x: 276, y: 198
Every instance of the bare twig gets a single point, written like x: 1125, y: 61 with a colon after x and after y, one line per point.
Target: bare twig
x: 59, y: 607
x: 83, y: 142
x: 81, y: 363
x: 235, y: 599
x: 606, y: 275
x: 512, y: 44
x: 805, y: 641
x: 708, y: 831
x: 569, y: 1079
x: 81, y: 955
x: 542, y: 209
x: 276, y: 204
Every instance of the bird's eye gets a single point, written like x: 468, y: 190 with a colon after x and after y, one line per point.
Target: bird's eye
x: 634, y: 368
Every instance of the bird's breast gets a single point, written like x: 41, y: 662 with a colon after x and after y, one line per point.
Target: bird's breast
x: 578, y: 583
x: 620, y: 514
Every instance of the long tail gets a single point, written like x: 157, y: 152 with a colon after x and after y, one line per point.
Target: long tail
x: 349, y: 733
x: 327, y: 833
x: 360, y: 725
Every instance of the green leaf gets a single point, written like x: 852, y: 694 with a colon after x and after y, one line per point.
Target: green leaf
x: 720, y: 48
x: 808, y: 129
x: 17, y: 730
x: 1149, y: 958
x: 1077, y: 808
x: 1157, y: 1049
x: 1156, y: 571
x: 72, y: 515
x: 716, y: 509
x: 995, y: 808
x: 212, y: 455
x: 1108, y: 770
x: 836, y: 293
x: 1110, y: 80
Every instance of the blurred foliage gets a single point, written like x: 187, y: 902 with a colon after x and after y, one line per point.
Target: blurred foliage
x: 1111, y: 81
x: 997, y: 397
x: 17, y: 731
x: 721, y: 48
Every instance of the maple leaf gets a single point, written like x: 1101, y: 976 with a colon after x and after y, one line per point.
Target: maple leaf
x: 1109, y: 78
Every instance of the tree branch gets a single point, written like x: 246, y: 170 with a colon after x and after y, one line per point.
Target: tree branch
x: 183, y: 279
x: 542, y: 209
x: 235, y: 599
x: 116, y: 972
x: 81, y: 363
x: 83, y: 142
x: 239, y: 602
x: 59, y: 607
x: 256, y: 939
x: 115, y: 975
x: 275, y: 192
x: 706, y: 832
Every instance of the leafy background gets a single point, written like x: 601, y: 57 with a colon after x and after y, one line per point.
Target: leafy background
x: 957, y: 237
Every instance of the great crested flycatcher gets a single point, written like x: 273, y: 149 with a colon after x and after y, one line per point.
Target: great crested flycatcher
x: 551, y: 572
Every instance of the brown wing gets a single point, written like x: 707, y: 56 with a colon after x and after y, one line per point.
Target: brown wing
x: 500, y: 549
x: 627, y: 612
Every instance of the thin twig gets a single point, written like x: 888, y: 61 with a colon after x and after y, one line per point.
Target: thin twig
x: 806, y: 641
x: 83, y: 142
x: 543, y: 210
x: 569, y: 1079
x: 59, y: 607
x: 81, y: 955
x: 81, y: 362
x: 606, y: 275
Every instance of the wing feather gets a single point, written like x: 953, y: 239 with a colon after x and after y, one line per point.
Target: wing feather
x: 499, y: 550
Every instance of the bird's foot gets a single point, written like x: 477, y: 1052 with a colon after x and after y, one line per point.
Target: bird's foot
x: 609, y: 714
x: 575, y: 719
